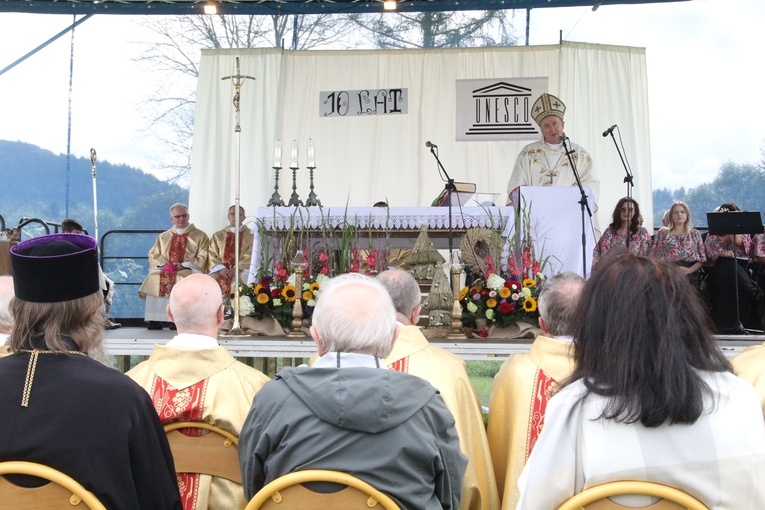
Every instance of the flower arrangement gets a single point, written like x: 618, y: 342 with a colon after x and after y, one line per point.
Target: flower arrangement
x: 504, y: 293
x: 276, y: 297
x: 501, y: 300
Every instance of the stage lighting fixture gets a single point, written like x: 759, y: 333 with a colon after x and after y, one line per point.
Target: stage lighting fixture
x: 211, y: 8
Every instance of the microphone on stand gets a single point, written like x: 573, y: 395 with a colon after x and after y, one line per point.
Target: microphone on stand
x: 93, y: 156
x: 609, y: 131
x: 428, y: 144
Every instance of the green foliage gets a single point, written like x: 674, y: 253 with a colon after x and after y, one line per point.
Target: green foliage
x: 34, y: 186
x: 743, y: 184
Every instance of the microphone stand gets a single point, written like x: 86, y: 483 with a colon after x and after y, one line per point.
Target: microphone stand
x: 628, y: 183
x: 583, y: 204
x: 449, y: 187
x: 95, y: 192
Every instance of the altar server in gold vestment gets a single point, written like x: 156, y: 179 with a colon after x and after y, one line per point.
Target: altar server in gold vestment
x: 413, y: 354
x: 526, y: 382
x: 192, y: 378
x: 176, y: 254
x: 222, y: 251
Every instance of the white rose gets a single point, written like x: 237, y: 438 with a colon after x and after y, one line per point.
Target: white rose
x: 495, y: 282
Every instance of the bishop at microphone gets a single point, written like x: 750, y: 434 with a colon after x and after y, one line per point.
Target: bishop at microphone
x: 544, y: 162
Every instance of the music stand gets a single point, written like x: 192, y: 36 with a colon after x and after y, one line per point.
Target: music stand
x: 735, y: 222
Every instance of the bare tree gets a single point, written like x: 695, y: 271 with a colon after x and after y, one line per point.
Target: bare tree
x: 174, y: 53
x: 437, y: 29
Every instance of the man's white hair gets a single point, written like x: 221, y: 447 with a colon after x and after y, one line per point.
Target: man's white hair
x: 354, y: 313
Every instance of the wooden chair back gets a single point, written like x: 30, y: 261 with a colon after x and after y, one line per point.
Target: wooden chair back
x: 597, y: 498
x: 288, y: 492
x: 61, y: 493
x: 213, y: 454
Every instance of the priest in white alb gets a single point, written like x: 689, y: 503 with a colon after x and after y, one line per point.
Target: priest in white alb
x: 544, y: 162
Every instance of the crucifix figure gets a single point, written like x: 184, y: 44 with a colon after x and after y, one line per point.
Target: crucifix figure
x: 237, y: 80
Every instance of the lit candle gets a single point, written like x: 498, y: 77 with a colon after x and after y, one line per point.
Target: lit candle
x: 278, y: 154
x: 311, y: 154
x: 294, y: 154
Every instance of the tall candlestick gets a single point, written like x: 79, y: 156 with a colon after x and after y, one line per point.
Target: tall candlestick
x: 311, y: 154
x: 278, y: 154
x: 294, y: 155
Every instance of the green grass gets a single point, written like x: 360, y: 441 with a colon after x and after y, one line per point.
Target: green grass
x: 481, y: 374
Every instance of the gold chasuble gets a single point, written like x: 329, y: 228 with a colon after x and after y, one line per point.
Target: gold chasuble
x: 173, y: 248
x: 413, y: 354
x: 206, y: 385
x: 221, y: 253
x: 519, y: 396
x: 750, y: 365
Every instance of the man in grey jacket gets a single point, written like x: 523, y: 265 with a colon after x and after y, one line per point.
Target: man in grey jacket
x: 348, y: 412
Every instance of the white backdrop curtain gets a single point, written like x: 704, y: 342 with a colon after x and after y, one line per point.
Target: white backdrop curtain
x: 361, y: 160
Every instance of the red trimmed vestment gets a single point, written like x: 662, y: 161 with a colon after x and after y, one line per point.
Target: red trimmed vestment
x: 519, y: 396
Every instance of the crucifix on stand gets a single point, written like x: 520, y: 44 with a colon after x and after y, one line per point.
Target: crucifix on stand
x: 237, y: 80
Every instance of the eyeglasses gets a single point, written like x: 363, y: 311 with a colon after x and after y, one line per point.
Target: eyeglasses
x: 179, y: 216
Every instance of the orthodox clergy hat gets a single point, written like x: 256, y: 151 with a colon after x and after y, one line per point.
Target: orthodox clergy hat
x: 56, y: 267
x: 547, y: 105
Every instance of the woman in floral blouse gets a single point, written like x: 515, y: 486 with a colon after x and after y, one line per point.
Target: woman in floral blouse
x: 723, y: 270
x: 626, y: 214
x: 680, y: 243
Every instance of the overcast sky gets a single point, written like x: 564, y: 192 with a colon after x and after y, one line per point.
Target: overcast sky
x: 704, y: 57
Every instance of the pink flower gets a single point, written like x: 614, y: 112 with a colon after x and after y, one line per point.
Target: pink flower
x: 324, y: 270
x: 323, y: 257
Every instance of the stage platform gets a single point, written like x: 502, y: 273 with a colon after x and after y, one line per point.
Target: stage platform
x: 140, y: 341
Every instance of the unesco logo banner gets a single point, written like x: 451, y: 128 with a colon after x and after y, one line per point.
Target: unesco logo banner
x: 359, y: 103
x: 497, y: 109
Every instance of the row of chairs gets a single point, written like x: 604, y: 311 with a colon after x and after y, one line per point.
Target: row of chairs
x: 216, y: 454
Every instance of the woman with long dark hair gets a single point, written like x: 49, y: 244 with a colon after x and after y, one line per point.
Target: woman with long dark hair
x: 625, y: 221
x: 652, y: 398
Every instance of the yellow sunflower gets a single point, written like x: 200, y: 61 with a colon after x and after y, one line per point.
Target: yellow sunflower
x: 491, y: 302
x: 530, y: 304
x: 463, y: 293
x: 529, y: 283
x: 314, y: 287
x: 307, y: 294
x: 262, y: 298
x: 288, y: 293
x: 258, y: 288
x: 504, y: 293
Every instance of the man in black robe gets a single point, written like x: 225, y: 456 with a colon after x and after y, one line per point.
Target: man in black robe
x: 61, y: 407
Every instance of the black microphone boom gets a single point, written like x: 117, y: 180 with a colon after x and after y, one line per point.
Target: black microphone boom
x: 609, y: 131
x: 428, y: 144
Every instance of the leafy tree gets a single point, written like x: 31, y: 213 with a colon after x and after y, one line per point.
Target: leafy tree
x: 742, y: 184
x: 456, y: 29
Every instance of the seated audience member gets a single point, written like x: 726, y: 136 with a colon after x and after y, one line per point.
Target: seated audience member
x: 348, y: 412
x: 63, y: 408
x: 525, y: 383
x: 177, y: 253
x: 651, y: 398
x: 413, y: 354
x: 625, y: 218
x: 723, y: 267
x: 192, y: 378
x: 70, y: 226
x: 221, y: 255
x: 680, y: 243
x: 6, y: 319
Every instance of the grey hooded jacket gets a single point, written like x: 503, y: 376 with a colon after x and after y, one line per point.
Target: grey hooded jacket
x: 388, y: 428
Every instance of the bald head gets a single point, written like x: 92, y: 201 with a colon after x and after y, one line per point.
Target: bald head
x: 354, y: 313
x: 6, y: 294
x: 195, y: 305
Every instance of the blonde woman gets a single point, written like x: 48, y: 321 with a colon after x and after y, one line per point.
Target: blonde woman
x: 680, y: 243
